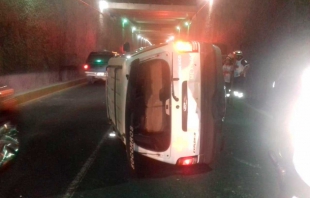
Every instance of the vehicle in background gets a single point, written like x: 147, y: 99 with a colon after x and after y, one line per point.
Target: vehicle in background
x: 7, y: 103
x: 167, y: 102
x: 95, y: 66
x: 290, y: 106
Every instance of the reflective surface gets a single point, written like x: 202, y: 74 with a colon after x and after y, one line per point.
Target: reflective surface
x: 9, y: 144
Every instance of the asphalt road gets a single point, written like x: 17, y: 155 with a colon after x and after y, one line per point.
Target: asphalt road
x: 66, y: 152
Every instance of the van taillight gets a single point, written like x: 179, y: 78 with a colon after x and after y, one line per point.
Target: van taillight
x: 85, y: 67
x: 184, y: 161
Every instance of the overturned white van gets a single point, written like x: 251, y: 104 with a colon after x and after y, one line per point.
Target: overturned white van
x: 167, y: 102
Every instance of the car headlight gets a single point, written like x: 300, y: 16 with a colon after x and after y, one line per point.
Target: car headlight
x: 238, y: 94
x: 300, y: 129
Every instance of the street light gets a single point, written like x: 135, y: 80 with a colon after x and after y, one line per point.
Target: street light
x: 178, y: 28
x: 187, y: 24
x: 210, y: 3
x: 133, y: 29
x: 124, y: 21
x: 103, y: 5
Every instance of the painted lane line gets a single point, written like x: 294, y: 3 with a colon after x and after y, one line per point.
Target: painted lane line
x: 79, y: 177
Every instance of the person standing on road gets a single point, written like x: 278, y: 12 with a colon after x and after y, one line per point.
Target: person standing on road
x: 241, y: 68
x: 228, y: 69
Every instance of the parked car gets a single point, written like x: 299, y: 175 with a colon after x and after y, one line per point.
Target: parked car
x: 95, y: 66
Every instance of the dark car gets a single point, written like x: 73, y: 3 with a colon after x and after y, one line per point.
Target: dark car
x: 96, y: 63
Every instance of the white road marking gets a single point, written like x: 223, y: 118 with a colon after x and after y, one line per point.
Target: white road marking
x: 79, y: 177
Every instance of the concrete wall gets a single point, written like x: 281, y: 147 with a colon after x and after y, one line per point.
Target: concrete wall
x: 39, y: 37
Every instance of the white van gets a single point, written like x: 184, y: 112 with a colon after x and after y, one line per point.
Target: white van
x: 167, y: 102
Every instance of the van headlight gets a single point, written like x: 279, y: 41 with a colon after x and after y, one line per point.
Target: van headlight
x: 299, y: 127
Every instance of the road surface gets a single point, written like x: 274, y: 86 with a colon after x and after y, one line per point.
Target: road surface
x: 66, y: 152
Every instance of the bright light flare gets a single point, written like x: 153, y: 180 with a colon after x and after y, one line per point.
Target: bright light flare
x: 85, y: 67
x: 112, y: 134
x: 185, y: 161
x: 300, y: 129
x: 238, y: 94
x: 103, y: 5
x: 211, y: 3
x: 133, y: 29
x: 184, y: 46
